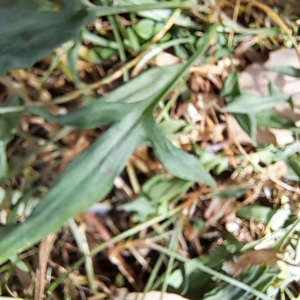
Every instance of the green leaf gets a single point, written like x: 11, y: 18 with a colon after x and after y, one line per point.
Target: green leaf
x: 294, y: 162
x: 232, y: 192
x: 257, y: 277
x: 174, y: 129
x: 157, y: 195
x: 90, y: 176
x: 230, y: 92
x: 276, y: 218
x: 142, y: 208
x: 145, y: 29
x: 231, y: 87
x: 270, y: 118
x: 28, y: 33
x: 247, y: 104
x: 8, y: 122
x: 286, y: 70
x: 210, y: 161
x: 188, y: 283
x: 175, y: 161
x: 249, y: 123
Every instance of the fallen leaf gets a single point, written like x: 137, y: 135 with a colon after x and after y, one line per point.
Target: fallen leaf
x: 263, y: 136
x: 251, y: 258
x: 255, y: 80
x: 153, y: 295
x: 217, y: 209
x: 164, y: 58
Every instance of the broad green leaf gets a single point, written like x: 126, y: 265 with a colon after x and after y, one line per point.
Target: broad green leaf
x: 145, y: 29
x: 96, y: 114
x: 269, y: 118
x: 85, y: 181
x: 28, y: 33
x: 90, y: 176
x: 286, y: 70
x: 247, y: 104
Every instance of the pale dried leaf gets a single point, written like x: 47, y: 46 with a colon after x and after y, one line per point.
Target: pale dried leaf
x: 192, y: 114
x: 264, y: 136
x: 282, y: 136
x: 44, y: 252
x: 255, y: 80
x: 153, y: 295
x: 164, y: 58
x: 217, y: 209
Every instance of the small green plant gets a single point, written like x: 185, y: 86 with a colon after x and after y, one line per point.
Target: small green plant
x: 127, y: 112
x: 164, y: 206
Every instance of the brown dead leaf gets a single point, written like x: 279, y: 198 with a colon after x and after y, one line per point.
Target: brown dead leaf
x: 26, y: 281
x: 251, y: 258
x: 82, y: 143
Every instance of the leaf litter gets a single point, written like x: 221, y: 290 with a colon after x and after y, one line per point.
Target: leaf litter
x: 216, y: 221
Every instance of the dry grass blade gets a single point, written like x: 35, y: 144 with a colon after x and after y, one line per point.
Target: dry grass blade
x: 44, y: 253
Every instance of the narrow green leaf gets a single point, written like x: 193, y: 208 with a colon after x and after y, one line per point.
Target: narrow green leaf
x: 231, y: 192
x: 231, y: 87
x: 175, y: 161
x: 121, y: 9
x: 96, y: 114
x: 286, y: 70
x: 186, y: 281
x: 248, y: 123
x: 294, y: 162
x: 99, y: 40
x: 270, y: 118
x: 258, y: 278
x: 29, y: 33
x: 247, y: 104
x: 8, y: 122
x: 257, y: 213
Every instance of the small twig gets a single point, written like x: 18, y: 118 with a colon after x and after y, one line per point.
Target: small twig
x: 234, y: 21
